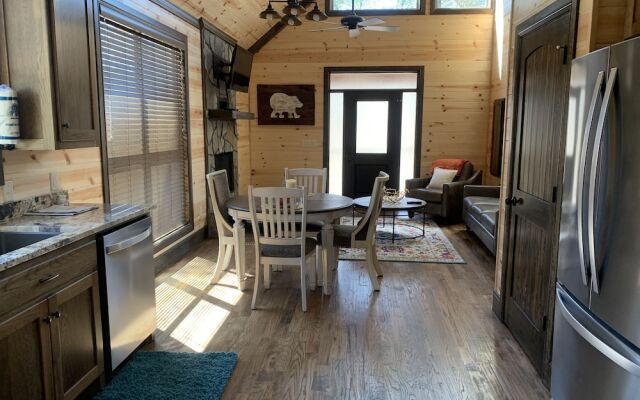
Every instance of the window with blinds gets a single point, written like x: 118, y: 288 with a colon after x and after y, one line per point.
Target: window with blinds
x: 146, y: 125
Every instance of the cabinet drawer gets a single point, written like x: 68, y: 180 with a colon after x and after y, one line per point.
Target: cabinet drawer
x: 49, y: 273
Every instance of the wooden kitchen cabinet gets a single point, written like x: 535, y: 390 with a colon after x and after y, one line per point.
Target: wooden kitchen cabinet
x: 48, y: 54
x: 26, y: 364
x: 53, y: 348
x: 632, y: 21
x: 76, y: 337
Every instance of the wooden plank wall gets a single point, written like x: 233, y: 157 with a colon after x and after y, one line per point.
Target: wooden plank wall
x: 244, y: 144
x: 454, y: 49
x: 500, y: 74
x: 79, y: 170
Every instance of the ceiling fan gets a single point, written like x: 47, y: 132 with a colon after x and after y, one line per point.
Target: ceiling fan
x: 355, y: 23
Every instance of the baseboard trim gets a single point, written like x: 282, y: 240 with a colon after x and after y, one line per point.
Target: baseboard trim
x: 173, y: 254
x: 497, y: 306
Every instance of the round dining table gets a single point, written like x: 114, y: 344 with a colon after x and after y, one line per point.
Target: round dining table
x: 323, y: 208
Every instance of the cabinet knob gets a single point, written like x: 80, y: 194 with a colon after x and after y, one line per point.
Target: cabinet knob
x: 56, y: 315
x: 66, y: 125
x: 47, y: 320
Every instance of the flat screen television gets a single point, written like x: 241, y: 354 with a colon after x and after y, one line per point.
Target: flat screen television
x: 240, y: 69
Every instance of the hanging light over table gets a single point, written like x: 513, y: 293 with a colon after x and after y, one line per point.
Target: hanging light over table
x: 269, y: 13
x: 292, y: 11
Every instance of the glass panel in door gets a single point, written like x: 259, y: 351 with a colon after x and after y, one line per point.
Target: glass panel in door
x: 372, y: 127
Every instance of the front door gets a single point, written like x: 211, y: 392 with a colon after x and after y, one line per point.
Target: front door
x: 536, y: 177
x: 372, y: 130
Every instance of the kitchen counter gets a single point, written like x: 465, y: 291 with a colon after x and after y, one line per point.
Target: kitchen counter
x: 70, y: 229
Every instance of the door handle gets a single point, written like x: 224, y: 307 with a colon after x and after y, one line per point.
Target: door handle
x: 581, y: 177
x: 613, y: 348
x: 513, y: 201
x: 595, y: 160
x: 127, y: 243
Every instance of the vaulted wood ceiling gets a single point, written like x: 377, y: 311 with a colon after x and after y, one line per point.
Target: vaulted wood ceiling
x: 237, y: 18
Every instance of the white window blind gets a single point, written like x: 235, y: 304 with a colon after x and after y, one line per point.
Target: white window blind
x: 145, y: 115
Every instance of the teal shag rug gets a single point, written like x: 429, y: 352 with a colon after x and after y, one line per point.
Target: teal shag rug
x: 161, y: 375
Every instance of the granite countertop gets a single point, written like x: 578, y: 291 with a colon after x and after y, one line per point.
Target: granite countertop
x: 70, y: 229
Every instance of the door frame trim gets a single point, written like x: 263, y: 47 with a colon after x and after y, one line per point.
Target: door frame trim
x: 419, y: 69
x: 536, y: 21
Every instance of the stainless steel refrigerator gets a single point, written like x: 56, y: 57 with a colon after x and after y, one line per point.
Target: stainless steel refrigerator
x: 596, y: 344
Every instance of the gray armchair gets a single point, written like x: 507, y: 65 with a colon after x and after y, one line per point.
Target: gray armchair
x: 446, y: 203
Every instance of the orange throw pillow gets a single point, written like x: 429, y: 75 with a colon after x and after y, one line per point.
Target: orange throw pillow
x: 449, y: 163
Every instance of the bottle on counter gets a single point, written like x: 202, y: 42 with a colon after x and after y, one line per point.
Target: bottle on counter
x: 9, y: 116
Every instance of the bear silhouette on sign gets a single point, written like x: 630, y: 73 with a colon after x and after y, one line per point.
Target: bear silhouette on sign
x: 282, y: 103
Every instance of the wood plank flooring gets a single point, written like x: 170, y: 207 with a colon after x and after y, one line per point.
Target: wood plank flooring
x: 428, y: 334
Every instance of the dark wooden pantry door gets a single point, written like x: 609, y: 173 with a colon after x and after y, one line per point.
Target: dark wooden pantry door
x: 536, y: 176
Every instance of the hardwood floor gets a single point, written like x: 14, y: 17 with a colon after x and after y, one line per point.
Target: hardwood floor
x: 428, y: 334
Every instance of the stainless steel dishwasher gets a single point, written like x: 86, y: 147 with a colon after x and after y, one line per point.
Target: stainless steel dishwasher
x: 128, y: 291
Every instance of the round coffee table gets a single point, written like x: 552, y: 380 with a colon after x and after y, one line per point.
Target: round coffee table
x: 392, y: 209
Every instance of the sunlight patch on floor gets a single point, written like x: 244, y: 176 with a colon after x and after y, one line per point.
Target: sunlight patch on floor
x: 200, y: 326
x: 196, y: 273
x: 227, y: 289
x: 170, y: 303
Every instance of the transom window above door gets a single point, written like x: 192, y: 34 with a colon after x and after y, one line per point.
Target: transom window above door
x: 460, y: 6
x: 375, y: 7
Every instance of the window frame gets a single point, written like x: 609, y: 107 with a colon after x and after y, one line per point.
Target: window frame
x: 138, y: 22
x: 341, y: 13
x: 445, y: 11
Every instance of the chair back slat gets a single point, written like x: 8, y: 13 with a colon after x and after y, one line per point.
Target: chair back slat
x: 274, y: 214
x: 366, y: 228
x: 219, y: 194
x: 314, y: 179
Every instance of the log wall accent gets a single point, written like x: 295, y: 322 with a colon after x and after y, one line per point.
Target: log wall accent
x: 454, y: 49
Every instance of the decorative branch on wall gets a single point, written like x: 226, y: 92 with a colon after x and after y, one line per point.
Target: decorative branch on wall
x: 286, y: 104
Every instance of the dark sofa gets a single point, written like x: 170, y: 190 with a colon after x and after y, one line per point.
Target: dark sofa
x: 446, y: 203
x: 480, y: 213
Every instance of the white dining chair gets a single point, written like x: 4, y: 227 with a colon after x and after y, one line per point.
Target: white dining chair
x: 363, y: 234
x: 314, y: 179
x: 219, y: 194
x: 279, y: 237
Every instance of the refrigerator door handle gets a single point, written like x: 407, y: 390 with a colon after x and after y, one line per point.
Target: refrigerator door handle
x: 595, y: 159
x: 597, y: 335
x: 582, y: 176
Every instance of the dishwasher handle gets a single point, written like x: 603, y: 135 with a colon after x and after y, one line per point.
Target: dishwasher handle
x: 127, y: 243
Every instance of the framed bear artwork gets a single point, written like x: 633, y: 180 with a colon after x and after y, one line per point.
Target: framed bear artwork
x: 286, y: 104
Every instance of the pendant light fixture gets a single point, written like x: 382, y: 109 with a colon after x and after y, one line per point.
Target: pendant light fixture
x: 294, y: 8
x: 269, y: 13
x: 291, y: 20
x: 292, y: 12
x: 316, y: 14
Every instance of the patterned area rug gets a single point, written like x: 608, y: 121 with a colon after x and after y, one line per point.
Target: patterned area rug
x: 434, y: 247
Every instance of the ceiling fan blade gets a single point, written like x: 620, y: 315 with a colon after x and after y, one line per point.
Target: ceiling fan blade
x: 371, y: 21
x: 382, y: 28
x: 354, y: 33
x: 328, y: 29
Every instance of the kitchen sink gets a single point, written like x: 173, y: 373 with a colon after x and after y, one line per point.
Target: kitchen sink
x: 10, y: 241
